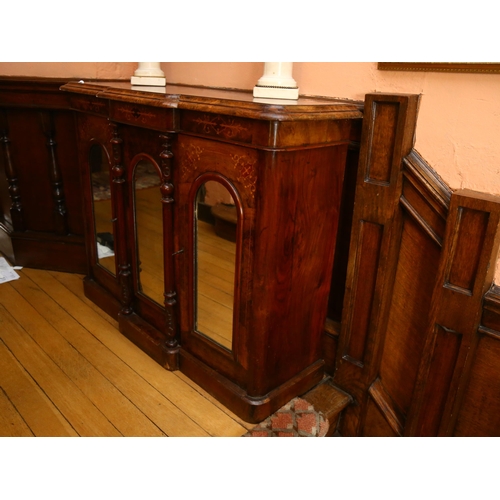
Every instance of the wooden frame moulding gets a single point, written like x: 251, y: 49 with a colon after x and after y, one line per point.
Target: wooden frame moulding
x: 442, y: 67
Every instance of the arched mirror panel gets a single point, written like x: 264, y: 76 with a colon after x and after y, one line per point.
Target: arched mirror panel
x: 148, y: 219
x: 217, y: 219
x: 99, y: 163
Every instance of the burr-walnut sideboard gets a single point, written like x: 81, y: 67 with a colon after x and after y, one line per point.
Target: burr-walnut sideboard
x: 242, y: 316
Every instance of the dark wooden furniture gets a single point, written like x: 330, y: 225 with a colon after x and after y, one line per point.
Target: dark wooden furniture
x: 283, y: 166
x: 41, y: 216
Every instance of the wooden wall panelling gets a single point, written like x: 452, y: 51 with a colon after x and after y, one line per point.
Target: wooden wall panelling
x: 31, y: 162
x: 479, y: 413
x: 454, y: 353
x: 425, y: 196
x: 387, y: 137
x: 410, y: 350
x: 60, y: 212
x: 44, y: 224
x: 12, y: 212
x: 423, y: 210
x: 491, y: 309
x: 10, y: 196
x: 383, y: 415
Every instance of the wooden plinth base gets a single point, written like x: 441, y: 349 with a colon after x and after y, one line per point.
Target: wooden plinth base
x: 250, y: 409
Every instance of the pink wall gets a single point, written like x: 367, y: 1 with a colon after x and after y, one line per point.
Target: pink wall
x: 458, y: 127
x: 236, y: 75
x: 91, y: 70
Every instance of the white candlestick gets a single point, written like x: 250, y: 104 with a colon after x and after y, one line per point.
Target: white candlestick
x: 150, y: 74
x: 277, y: 82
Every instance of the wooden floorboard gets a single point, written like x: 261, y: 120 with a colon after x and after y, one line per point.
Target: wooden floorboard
x: 140, y: 362
x: 85, y: 418
x: 62, y: 359
x: 38, y: 412
x: 11, y: 422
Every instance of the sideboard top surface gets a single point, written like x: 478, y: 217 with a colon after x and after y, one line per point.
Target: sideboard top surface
x: 224, y: 101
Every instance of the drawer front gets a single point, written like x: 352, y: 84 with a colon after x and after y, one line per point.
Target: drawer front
x: 229, y: 128
x: 89, y: 104
x: 142, y: 116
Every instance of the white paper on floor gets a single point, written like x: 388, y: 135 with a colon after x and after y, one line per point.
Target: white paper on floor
x: 7, y: 272
x: 103, y: 251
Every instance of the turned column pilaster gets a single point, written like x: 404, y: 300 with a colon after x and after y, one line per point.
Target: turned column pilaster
x: 122, y: 255
x: 167, y: 192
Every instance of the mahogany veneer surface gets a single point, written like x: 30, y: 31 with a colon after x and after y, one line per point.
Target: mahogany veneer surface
x: 283, y: 163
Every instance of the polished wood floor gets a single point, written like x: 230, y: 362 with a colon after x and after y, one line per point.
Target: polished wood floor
x: 65, y: 370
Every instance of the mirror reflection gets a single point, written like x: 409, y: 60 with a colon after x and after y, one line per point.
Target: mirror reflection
x: 216, y: 222
x: 149, y: 230
x: 101, y: 200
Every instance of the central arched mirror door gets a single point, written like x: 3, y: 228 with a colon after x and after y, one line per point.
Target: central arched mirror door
x: 148, y: 219
x: 216, y: 224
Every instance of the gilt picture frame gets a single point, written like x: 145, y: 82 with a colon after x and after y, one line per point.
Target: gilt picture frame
x: 446, y: 67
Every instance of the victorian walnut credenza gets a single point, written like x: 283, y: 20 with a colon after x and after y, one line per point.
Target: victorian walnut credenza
x: 211, y: 222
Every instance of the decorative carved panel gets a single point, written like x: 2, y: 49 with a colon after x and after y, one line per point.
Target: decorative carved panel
x: 381, y: 142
